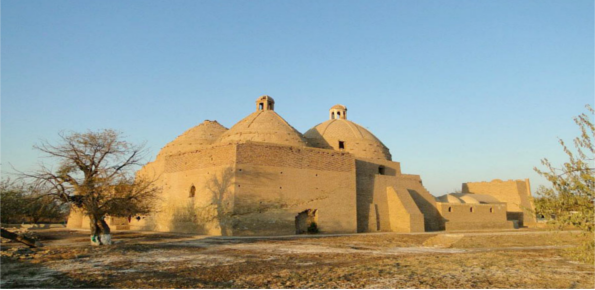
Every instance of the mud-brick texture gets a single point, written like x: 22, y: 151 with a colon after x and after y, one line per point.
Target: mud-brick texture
x: 210, y: 157
x: 474, y: 216
x: 275, y: 183
x: 263, y: 154
x: 515, y: 193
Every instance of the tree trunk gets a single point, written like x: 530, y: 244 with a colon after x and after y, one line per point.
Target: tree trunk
x: 21, y: 239
x: 100, y: 231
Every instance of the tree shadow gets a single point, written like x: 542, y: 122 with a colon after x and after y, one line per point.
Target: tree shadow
x: 433, y: 220
x: 230, y: 208
x: 21, y: 274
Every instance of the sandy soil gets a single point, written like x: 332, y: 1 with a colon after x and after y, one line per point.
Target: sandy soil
x: 519, y: 259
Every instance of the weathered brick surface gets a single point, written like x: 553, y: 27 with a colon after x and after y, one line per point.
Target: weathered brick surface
x: 473, y: 216
x: 256, y: 177
x: 263, y: 154
x: 516, y: 194
x: 207, y: 157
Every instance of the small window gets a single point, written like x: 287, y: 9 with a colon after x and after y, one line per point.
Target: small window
x: 192, y: 191
x: 471, y: 209
x: 491, y: 210
x: 381, y: 170
x: 449, y: 209
x: 341, y: 144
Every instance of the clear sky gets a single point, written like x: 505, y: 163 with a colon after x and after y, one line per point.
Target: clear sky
x: 458, y: 90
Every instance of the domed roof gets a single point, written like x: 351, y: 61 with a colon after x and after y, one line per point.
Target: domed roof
x: 449, y: 198
x: 196, y: 137
x: 355, y: 139
x: 469, y: 198
x: 264, y: 126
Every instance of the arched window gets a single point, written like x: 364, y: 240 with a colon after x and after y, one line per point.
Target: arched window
x: 491, y: 210
x: 449, y: 209
x: 471, y: 209
x: 192, y: 191
x: 332, y: 115
x: 260, y: 106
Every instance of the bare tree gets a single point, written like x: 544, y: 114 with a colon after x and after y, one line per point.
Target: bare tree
x: 95, y: 173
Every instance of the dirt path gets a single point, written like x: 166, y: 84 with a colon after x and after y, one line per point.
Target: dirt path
x: 164, y: 260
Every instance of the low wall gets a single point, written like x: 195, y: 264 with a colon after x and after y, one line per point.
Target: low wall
x: 468, y: 226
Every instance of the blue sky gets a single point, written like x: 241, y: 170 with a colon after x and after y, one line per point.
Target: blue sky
x: 458, y: 90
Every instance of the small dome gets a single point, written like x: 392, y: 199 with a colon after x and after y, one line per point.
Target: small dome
x: 264, y: 126
x: 265, y: 103
x: 341, y: 134
x: 339, y: 107
x: 449, y: 198
x: 196, y: 137
x: 338, y: 112
x: 480, y: 198
x: 469, y: 198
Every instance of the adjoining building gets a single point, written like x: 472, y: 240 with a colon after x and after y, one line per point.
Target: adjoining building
x: 263, y: 177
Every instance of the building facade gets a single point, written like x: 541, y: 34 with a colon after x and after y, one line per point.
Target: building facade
x: 263, y: 177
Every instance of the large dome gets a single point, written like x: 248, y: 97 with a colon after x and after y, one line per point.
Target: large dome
x: 196, y: 137
x: 338, y: 133
x: 264, y: 125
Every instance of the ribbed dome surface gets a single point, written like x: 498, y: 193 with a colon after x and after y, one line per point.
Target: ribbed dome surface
x: 263, y: 126
x: 356, y: 139
x: 196, y: 137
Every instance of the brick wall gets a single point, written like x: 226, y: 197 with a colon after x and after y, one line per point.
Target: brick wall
x: 516, y: 194
x: 275, y: 183
x: 263, y: 154
x: 208, y: 157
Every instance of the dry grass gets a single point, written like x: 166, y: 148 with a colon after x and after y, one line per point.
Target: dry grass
x: 141, y: 260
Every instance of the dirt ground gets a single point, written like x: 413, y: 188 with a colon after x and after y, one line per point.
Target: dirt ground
x: 511, y: 259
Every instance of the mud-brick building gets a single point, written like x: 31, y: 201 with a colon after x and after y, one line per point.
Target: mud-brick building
x: 263, y: 177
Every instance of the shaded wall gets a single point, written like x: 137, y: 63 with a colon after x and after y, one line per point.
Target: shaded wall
x: 372, y: 209
x: 373, y: 179
x: 78, y: 220
x: 404, y: 215
x: 274, y: 183
x: 195, y: 186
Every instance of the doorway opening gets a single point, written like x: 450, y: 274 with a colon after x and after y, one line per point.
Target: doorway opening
x: 306, y: 222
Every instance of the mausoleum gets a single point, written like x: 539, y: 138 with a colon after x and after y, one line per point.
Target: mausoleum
x: 264, y: 177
